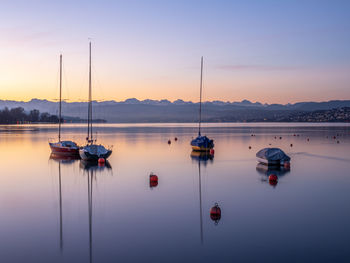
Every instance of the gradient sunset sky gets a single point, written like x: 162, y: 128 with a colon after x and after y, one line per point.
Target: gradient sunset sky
x: 267, y: 51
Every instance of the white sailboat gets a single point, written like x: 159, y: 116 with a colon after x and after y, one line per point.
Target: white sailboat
x: 92, y: 151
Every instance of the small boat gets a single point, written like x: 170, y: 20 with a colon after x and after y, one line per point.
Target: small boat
x: 63, y: 147
x: 92, y: 152
x: 272, y: 156
x: 201, y: 143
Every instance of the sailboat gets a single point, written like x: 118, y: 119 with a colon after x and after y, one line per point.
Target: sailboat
x: 92, y: 152
x: 63, y: 147
x: 201, y: 143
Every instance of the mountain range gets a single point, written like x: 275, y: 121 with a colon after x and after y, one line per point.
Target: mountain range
x: 134, y: 110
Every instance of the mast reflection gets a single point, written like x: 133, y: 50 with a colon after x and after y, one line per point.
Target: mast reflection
x: 91, y: 168
x: 201, y: 158
x: 65, y: 160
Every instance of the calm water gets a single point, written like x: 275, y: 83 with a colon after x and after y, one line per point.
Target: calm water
x: 65, y: 211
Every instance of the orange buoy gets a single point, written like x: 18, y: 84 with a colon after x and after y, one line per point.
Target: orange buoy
x: 215, y: 213
x: 101, y: 160
x: 169, y: 142
x: 212, y: 151
x: 153, y: 180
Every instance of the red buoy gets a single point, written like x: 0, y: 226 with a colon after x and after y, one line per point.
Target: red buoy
x: 101, y: 160
x: 215, y: 213
x: 291, y: 145
x: 211, y: 151
x: 250, y: 147
x: 273, y: 179
x: 169, y: 142
x: 153, y: 180
x: 175, y: 139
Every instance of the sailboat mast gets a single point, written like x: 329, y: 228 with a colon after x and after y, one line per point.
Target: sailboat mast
x: 200, y: 99
x: 60, y: 103
x: 89, y: 138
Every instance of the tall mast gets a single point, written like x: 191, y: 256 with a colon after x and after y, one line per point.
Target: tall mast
x: 60, y: 104
x: 200, y: 99
x: 89, y: 138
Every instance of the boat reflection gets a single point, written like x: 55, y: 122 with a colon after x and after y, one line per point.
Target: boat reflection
x: 60, y: 199
x: 87, y: 166
x: 64, y: 159
x: 267, y: 170
x: 205, y: 158
x: 90, y: 176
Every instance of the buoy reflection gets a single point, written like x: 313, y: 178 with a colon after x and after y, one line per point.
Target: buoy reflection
x: 271, y: 174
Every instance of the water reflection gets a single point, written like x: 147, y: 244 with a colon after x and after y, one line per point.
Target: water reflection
x: 88, y: 166
x: 60, y: 205
x: 202, y: 158
x: 66, y: 160
x: 268, y: 170
x: 90, y: 177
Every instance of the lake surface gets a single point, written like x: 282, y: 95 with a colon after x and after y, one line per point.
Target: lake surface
x: 66, y: 211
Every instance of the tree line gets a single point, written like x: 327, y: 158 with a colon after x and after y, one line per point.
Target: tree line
x: 18, y: 115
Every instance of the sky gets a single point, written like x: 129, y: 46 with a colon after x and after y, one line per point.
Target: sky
x: 267, y: 51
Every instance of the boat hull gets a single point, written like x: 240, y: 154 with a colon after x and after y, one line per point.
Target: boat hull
x: 200, y: 148
x: 60, y: 150
x: 86, y: 156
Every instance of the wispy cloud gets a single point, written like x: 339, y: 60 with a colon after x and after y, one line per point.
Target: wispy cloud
x: 23, y: 35
x: 255, y: 67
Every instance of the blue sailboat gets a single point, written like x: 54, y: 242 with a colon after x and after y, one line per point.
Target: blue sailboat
x: 201, y: 143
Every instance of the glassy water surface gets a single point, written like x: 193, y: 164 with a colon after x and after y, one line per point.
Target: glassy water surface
x: 54, y: 210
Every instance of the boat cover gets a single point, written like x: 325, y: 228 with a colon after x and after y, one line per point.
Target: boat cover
x: 203, y: 142
x: 273, y: 154
x: 96, y: 149
x: 68, y: 144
